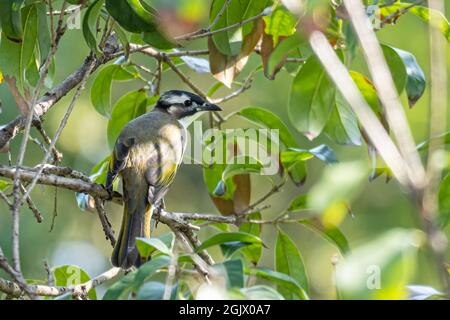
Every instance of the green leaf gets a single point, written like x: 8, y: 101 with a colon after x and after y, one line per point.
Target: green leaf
x: 280, y: 53
x: 4, y: 185
x: 134, y: 280
x: 322, y: 152
x: 157, y: 40
x: 10, y: 59
x: 229, y: 42
x: 44, y: 38
x: 261, y: 293
x: 69, y: 275
x: 380, y: 269
x: 90, y: 25
x: 222, y: 238
x: 149, y: 269
x: 342, y: 127
x: 288, y: 260
x: 444, y: 201
x: 101, y: 87
x: 131, y: 15
x: 415, y: 82
x: 29, y: 41
x: 281, y: 23
x: 121, y: 287
x: 232, y: 271
x: 252, y: 252
x: 311, y: 99
x: 10, y: 19
x: 130, y: 106
x: 153, y: 290
x: 280, y: 279
x: 396, y: 67
x: 367, y: 89
x: 269, y: 120
x: 297, y: 172
x: 329, y: 232
x: 147, y: 246
x: 298, y: 203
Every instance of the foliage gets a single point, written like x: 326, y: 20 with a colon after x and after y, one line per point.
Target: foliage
x: 273, y: 35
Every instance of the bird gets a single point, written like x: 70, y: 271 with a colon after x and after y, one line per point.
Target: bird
x: 146, y: 155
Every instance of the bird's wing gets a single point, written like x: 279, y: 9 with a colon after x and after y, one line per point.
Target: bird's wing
x: 118, y: 161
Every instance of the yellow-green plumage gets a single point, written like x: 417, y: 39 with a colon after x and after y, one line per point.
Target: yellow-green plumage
x: 146, y: 155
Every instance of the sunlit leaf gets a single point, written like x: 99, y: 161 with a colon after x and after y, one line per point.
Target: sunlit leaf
x: 311, y: 99
x: 132, y: 15
x: 130, y: 106
x: 221, y: 238
x: 146, y: 246
x: 101, y: 87
x: 281, y: 23
x: 252, y: 252
x: 261, y: 293
x: 329, y: 232
x: 280, y: 279
x: 90, y: 25
x: 288, y: 260
x: 69, y: 275
x: 269, y: 120
x: 232, y: 271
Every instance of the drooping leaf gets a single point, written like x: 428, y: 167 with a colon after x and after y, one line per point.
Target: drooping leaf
x: 44, y: 40
x: 281, y: 23
x: 147, y: 246
x: 132, y: 15
x: 232, y: 271
x: 277, y: 58
x: 280, y: 279
x: 322, y: 152
x: 329, y: 232
x: 342, y: 127
x: 230, y: 41
x: 311, y: 99
x: 415, y: 82
x: 153, y: 290
x: 101, y: 87
x: 396, y: 67
x: 69, y: 275
x: 380, y: 269
x: 10, y: 19
x: 90, y: 25
x: 288, y: 260
x: 252, y: 252
x: 29, y: 41
x: 221, y: 238
x: 269, y: 120
x: 260, y: 292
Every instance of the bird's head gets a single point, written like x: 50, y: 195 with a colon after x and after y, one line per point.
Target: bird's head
x: 181, y: 104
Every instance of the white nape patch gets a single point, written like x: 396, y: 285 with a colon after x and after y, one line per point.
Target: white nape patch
x: 175, y: 99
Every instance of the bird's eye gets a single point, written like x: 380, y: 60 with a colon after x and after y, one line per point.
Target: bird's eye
x: 188, y: 103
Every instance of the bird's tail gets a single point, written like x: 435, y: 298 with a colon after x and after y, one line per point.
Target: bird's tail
x: 137, y: 214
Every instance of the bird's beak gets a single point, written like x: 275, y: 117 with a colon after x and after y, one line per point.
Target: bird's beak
x: 209, y: 107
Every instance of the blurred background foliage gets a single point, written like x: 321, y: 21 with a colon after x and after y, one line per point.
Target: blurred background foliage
x: 77, y: 237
